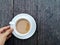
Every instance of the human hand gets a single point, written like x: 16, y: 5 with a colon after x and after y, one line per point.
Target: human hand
x: 5, y: 33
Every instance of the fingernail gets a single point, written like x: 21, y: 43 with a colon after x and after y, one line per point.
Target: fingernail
x: 12, y: 29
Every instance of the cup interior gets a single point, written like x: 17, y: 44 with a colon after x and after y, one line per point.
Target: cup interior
x: 19, y: 32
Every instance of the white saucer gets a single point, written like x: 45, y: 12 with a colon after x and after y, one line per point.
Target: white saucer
x: 31, y: 20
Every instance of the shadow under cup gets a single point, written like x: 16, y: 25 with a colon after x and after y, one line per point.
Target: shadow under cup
x: 23, y: 26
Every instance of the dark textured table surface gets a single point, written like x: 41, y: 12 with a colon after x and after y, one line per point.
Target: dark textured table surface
x: 45, y: 12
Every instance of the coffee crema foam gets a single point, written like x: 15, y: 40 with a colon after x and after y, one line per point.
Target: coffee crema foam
x: 22, y: 26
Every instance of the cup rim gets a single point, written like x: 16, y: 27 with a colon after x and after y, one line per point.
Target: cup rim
x: 14, y: 21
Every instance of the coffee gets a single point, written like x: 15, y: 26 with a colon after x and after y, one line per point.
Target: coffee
x: 22, y: 26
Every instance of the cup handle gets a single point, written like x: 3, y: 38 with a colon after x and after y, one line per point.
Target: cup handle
x: 11, y: 22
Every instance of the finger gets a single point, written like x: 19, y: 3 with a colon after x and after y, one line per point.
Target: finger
x: 9, y: 31
x: 4, y: 28
x: 9, y: 37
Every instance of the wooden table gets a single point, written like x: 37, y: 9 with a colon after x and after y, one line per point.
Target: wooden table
x: 45, y: 12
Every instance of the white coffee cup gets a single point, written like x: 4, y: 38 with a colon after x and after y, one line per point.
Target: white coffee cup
x: 32, y: 25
